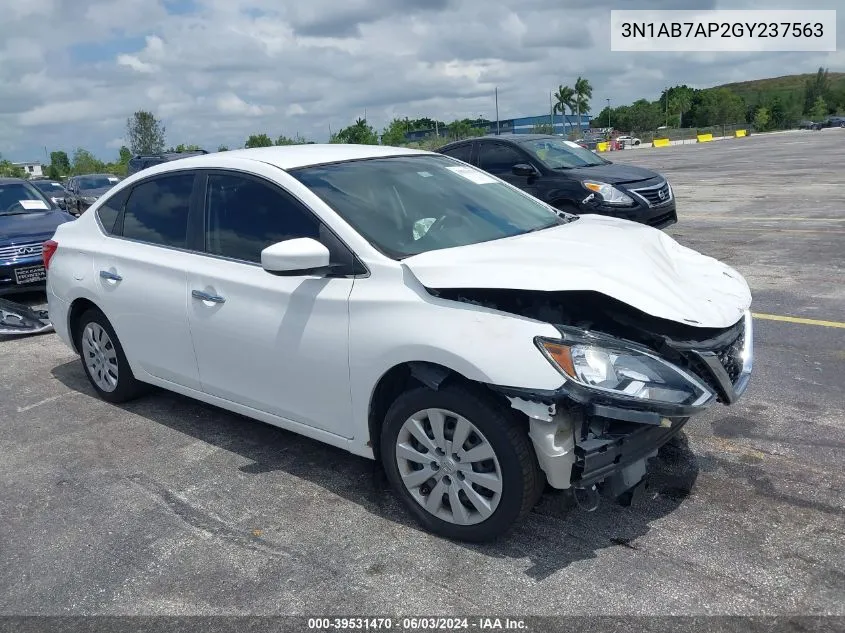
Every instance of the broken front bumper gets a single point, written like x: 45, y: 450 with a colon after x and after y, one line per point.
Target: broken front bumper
x: 18, y: 319
x: 583, y: 437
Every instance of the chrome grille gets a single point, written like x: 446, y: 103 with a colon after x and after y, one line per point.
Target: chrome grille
x: 659, y: 194
x: 20, y: 250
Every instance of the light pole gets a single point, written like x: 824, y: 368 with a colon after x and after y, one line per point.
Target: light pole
x: 608, y: 114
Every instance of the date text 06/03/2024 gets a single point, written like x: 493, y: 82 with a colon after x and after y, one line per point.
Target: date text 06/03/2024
x: 417, y: 624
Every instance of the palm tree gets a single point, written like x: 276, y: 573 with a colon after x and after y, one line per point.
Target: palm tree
x: 564, y: 98
x: 583, y: 94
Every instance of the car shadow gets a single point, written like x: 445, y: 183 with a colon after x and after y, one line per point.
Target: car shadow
x: 554, y: 535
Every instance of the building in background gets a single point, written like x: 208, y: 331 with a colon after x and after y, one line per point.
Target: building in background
x: 32, y: 170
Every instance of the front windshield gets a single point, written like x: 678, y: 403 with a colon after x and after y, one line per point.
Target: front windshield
x: 97, y: 182
x: 21, y: 197
x: 406, y: 205
x: 560, y: 154
x: 48, y: 186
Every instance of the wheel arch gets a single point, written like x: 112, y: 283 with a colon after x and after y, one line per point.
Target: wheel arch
x: 78, y: 307
x: 404, y: 376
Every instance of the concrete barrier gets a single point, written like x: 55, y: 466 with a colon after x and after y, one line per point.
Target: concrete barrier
x: 704, y: 138
x: 661, y: 142
x: 601, y: 147
x: 741, y: 133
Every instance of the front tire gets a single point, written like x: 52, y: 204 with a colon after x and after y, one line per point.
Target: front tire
x: 460, y: 463
x: 103, y: 359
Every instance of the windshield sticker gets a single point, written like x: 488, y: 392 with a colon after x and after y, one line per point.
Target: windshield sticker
x: 571, y: 144
x: 424, y: 174
x: 473, y: 175
x: 31, y: 205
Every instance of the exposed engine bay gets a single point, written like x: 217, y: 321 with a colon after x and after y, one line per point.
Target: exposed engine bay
x: 599, y: 446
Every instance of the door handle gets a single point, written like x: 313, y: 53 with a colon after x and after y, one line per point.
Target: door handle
x: 106, y: 274
x: 206, y: 296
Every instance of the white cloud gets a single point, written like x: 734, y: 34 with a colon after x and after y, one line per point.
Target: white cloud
x: 222, y: 73
x: 136, y: 64
x: 230, y: 103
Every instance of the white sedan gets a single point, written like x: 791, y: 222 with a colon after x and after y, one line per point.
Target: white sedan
x: 408, y: 308
x: 628, y: 140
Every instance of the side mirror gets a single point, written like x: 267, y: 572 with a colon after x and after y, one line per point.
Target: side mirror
x: 300, y: 256
x: 523, y: 169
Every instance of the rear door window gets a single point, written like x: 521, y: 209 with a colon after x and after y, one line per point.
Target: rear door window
x: 157, y: 210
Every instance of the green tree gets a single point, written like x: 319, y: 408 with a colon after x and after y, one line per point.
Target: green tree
x: 258, y: 140
x: 583, y: 94
x: 125, y: 155
x: 182, y: 147
x: 8, y: 170
x: 680, y: 100
x: 394, y: 133
x: 642, y: 116
x: 564, y: 98
x: 60, y: 162
x: 359, y: 133
x: 222, y: 148
x: 815, y: 88
x: 777, y: 113
x: 145, y: 133
x: 84, y: 162
x: 761, y: 119
x: 286, y: 140
x: 819, y: 109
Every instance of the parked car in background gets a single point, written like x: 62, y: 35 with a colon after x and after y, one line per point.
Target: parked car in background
x: 571, y: 178
x: 83, y: 191
x: 52, y: 189
x: 139, y: 162
x: 833, y: 121
x: 588, y: 143
x: 28, y: 218
x: 628, y: 140
x: 406, y: 307
x: 809, y: 125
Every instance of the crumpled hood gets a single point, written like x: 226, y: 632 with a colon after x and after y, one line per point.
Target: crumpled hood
x: 631, y: 262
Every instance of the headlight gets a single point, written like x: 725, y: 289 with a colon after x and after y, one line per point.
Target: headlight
x: 626, y: 373
x: 609, y: 193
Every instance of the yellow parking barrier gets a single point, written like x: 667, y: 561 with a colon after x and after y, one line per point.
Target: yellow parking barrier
x: 661, y: 142
x: 741, y: 133
x: 704, y: 138
x: 601, y: 147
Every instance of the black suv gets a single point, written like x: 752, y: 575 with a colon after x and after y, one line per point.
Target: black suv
x: 570, y: 178
x: 137, y: 163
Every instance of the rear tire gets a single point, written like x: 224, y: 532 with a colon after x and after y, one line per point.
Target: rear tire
x: 485, y: 480
x: 103, y: 359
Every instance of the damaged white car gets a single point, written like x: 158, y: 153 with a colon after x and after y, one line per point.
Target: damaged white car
x: 408, y: 308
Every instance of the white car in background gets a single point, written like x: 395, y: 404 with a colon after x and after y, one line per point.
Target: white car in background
x: 628, y: 140
x: 409, y: 308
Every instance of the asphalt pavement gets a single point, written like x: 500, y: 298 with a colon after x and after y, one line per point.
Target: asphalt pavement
x: 169, y: 506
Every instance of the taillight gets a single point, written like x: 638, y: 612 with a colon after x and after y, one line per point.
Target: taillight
x: 48, y: 249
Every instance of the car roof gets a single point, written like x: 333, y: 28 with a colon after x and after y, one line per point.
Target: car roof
x: 10, y: 181
x: 511, y: 139
x: 290, y: 156
x: 89, y: 175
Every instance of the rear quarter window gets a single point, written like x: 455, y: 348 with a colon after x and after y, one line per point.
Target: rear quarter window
x: 108, y: 212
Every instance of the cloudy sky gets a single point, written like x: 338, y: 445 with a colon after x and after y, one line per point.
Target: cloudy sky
x: 71, y: 71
